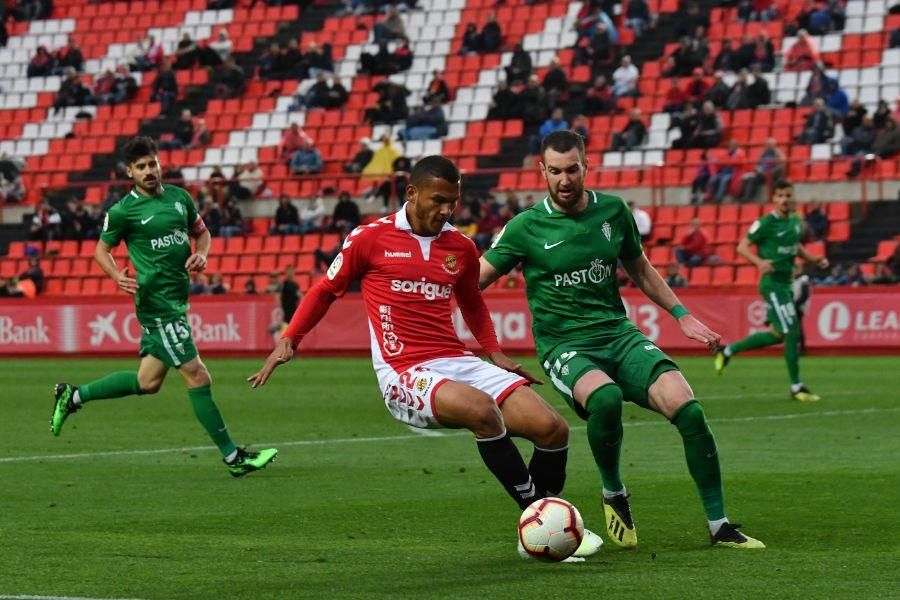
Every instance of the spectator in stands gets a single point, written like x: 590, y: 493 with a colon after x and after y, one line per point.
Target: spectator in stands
x: 361, y: 158
x: 211, y: 215
x: 686, y: 122
x: 217, y: 285
x: 390, y: 28
x: 726, y: 58
x: 687, y: 20
x: 739, y: 95
x: 8, y: 287
x: 318, y: 60
x: 632, y: 135
x: 820, y: 21
x: 41, y: 63
x: 625, y: 79
x: 638, y: 16
x: 887, y: 142
x: 391, y: 104
x: 70, y: 224
x: 292, y: 139
x: 860, y: 140
x: 519, y: 69
x: 229, y: 80
x: 12, y: 189
x: 504, y: 104
x: 381, y: 165
x: 312, y: 212
x: 893, y: 262
x: 674, y: 278
x: 580, y: 126
x: 719, y: 93
x: 595, y: 51
x: 465, y: 222
x: 107, y: 90
x: 599, y: 99
x: 164, y: 90
x: 29, y: 10
x: 317, y: 95
x: 183, y: 134
x: 35, y: 273
x: 248, y: 181
x: 345, y: 217
x: 72, y: 92
x: 883, y: 275
x: 694, y: 249
x: 882, y: 115
x: 757, y: 10
x: 491, y: 34
x: 69, y: 55
x: 287, y: 218
x: 293, y: 64
x: 325, y: 256
x: 433, y: 123
x: 556, y: 83
x: 709, y: 128
x: 471, y: 41
x: 218, y: 186
x: 763, y: 53
x: 597, y: 21
x: 758, y: 92
x: 803, y: 55
x: 854, y: 116
x: 696, y: 88
x: 269, y: 65
x: 726, y: 166
x: 490, y: 224
x: 816, y: 222
x: 185, y: 52
x: 289, y: 295
x: 642, y: 220
x: 306, y: 160
x: 232, y: 219
x: 394, y: 187
x: 893, y: 41
x: 817, y: 86
x: 437, y: 89
x: 4, y: 33
x: 685, y: 60
x: 770, y: 167
x: 222, y: 46
x: 836, y: 101
x: 202, y: 134
x: 675, y: 98
x: 556, y: 122
x: 149, y: 55
x: 199, y: 284
x: 700, y: 43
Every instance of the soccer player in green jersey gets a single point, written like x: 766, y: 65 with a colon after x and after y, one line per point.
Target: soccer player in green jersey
x: 569, y: 245
x: 155, y: 221
x: 777, y: 239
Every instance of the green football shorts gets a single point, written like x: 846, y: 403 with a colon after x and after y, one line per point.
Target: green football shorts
x: 169, y: 340
x: 781, y: 314
x: 628, y: 357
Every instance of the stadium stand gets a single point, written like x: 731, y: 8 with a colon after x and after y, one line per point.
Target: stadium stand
x: 71, y: 151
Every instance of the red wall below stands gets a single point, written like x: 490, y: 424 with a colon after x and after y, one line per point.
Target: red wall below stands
x: 840, y: 320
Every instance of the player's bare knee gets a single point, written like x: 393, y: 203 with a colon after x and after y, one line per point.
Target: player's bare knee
x: 556, y: 433
x: 485, y: 419
x: 150, y: 385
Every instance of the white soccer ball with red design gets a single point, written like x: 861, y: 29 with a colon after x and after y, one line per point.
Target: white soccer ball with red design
x: 551, y: 529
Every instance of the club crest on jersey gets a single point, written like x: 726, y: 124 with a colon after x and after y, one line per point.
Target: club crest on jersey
x: 607, y: 230
x: 179, y: 208
x: 422, y: 384
x: 391, y: 343
x: 335, y: 267
x: 451, y: 265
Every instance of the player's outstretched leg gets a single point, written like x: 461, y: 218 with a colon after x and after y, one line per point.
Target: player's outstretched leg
x: 671, y: 395
x: 799, y: 391
x: 69, y: 398
x: 760, y: 339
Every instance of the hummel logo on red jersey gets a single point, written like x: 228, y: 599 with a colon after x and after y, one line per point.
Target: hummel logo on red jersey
x: 389, y: 254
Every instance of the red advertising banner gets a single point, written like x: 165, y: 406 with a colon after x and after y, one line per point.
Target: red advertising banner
x: 847, y: 319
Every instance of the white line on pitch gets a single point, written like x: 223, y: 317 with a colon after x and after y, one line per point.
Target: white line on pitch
x: 27, y: 597
x: 394, y: 438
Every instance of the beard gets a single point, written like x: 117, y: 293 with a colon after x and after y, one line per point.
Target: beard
x: 568, y: 200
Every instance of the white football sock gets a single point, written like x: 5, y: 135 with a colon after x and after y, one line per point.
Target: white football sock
x: 230, y: 458
x: 76, y: 398
x: 796, y: 387
x: 715, y: 525
x: 608, y: 494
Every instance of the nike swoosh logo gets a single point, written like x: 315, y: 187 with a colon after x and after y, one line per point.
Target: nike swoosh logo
x: 548, y: 246
x: 147, y: 220
x: 780, y: 233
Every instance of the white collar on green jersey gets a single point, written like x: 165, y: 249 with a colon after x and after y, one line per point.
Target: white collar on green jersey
x: 549, y: 206
x: 402, y: 223
x: 136, y: 195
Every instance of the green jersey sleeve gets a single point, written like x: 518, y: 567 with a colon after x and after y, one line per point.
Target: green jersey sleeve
x: 507, y: 250
x: 631, y: 241
x: 115, y: 225
x: 757, y: 232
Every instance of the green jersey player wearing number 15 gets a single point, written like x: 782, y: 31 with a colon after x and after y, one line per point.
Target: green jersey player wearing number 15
x: 155, y: 221
x: 569, y: 245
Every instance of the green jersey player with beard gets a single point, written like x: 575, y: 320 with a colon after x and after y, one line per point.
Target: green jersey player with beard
x: 156, y: 221
x: 777, y: 237
x: 569, y: 245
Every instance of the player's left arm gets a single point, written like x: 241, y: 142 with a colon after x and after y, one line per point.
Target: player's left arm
x: 655, y: 287
x: 196, y: 262
x: 819, y: 261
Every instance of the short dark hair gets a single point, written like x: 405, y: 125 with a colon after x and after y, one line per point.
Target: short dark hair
x: 782, y: 184
x: 137, y: 147
x: 563, y: 141
x: 434, y: 167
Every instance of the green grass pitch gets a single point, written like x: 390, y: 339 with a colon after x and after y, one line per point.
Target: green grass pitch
x: 360, y: 506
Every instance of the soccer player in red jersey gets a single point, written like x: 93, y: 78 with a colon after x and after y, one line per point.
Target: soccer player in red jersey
x: 409, y: 265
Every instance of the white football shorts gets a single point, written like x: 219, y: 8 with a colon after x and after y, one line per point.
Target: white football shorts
x: 409, y: 395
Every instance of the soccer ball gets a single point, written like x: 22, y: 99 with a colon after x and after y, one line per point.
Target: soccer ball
x: 551, y: 529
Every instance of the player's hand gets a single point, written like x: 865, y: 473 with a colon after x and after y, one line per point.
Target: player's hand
x: 765, y: 266
x: 127, y: 283
x: 822, y: 262
x: 695, y: 330
x: 196, y: 263
x: 280, y: 355
x: 508, y: 364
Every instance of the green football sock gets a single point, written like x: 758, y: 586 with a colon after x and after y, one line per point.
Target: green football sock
x: 210, y: 418
x: 604, y: 431
x: 792, y: 355
x: 702, y: 457
x: 760, y: 339
x: 114, y: 385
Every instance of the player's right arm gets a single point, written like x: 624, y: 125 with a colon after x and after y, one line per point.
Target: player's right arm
x: 114, y: 225
x: 745, y: 248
